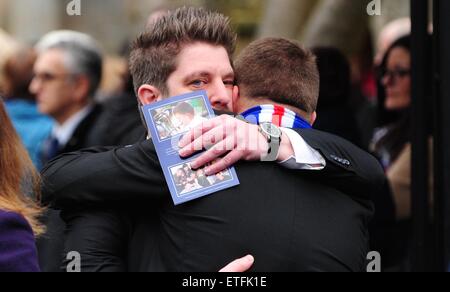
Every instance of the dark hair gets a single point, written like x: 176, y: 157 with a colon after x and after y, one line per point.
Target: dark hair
x: 280, y: 70
x: 153, y: 54
x: 403, y: 42
x: 18, y: 73
x: 334, y: 71
x: 384, y: 116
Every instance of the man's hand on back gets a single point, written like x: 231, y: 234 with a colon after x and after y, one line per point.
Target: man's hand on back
x: 239, y: 265
x: 227, y: 135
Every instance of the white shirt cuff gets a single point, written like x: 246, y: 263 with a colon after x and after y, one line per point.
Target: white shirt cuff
x: 306, y: 158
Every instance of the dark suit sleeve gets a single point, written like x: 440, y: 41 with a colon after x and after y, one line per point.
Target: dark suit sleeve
x: 349, y: 168
x: 100, y: 237
x: 102, y: 175
x: 17, y: 244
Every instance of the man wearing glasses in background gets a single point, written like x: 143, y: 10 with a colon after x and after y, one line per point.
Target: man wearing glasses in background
x: 67, y: 74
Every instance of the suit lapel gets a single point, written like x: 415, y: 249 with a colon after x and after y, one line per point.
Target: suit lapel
x: 79, y: 138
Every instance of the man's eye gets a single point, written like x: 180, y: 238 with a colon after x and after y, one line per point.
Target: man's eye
x: 198, y: 83
x: 229, y: 82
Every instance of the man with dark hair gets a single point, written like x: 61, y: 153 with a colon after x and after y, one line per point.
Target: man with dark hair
x: 286, y: 219
x: 259, y: 67
x: 292, y: 68
x: 156, y: 53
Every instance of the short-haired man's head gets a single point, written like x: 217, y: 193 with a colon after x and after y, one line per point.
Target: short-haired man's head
x: 280, y: 70
x: 83, y: 55
x: 154, y: 53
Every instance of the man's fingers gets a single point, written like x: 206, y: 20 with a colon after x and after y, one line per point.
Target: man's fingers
x: 224, y: 163
x: 240, y: 265
x: 196, y: 132
x: 205, y: 141
x: 215, y: 152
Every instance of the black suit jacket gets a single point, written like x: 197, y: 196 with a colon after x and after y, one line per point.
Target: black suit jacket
x: 51, y: 245
x: 119, y: 123
x: 290, y: 220
x: 83, y: 136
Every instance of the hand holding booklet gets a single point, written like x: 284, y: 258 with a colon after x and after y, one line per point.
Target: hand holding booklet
x: 167, y: 122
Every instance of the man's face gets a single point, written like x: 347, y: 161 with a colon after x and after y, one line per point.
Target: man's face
x: 204, y: 67
x: 397, y: 80
x: 52, y: 84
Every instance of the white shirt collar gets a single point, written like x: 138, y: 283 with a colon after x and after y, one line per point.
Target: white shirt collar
x: 64, y: 132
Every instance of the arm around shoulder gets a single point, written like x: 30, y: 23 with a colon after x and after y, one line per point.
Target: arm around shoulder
x: 101, y: 175
x: 349, y: 168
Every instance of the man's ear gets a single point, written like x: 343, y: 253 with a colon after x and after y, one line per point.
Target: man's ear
x: 81, y: 89
x: 235, y: 98
x: 148, y: 94
x: 313, y: 118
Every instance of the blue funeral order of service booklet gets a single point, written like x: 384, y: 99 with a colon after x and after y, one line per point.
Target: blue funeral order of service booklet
x: 168, y: 121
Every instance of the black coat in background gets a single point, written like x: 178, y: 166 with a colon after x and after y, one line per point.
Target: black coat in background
x: 120, y: 123
x: 339, y: 121
x: 51, y: 244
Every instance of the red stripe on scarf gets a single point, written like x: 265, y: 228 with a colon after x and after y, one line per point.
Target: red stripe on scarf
x: 277, y: 115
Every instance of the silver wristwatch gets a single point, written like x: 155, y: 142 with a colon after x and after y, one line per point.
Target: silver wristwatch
x: 273, y: 136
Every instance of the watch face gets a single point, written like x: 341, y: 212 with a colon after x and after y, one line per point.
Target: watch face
x: 271, y: 130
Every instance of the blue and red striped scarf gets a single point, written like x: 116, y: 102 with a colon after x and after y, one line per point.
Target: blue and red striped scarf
x: 277, y: 115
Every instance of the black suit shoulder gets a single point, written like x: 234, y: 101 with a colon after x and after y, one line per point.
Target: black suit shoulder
x: 83, y: 135
x: 349, y: 168
x: 119, y: 123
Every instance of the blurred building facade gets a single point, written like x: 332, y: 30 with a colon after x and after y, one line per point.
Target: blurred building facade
x: 111, y: 22
x: 341, y: 23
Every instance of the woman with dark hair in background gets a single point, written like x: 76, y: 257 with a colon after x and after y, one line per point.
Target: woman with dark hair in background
x: 18, y: 212
x: 392, y: 141
x: 395, y: 100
